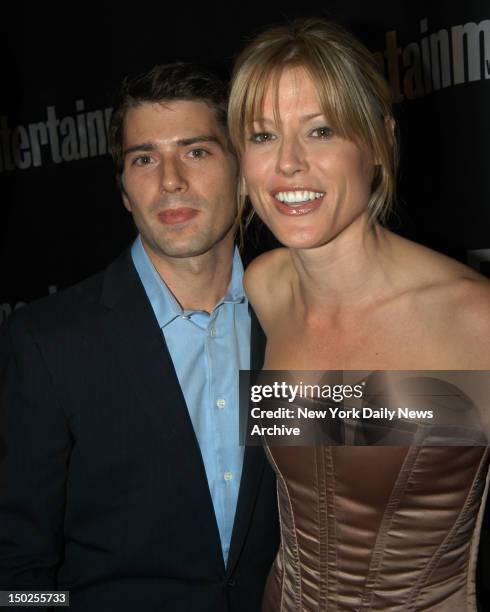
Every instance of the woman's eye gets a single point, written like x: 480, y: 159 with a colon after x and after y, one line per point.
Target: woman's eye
x: 322, y: 132
x: 261, y: 137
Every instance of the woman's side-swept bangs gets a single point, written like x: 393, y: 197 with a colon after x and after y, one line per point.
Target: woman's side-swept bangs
x: 352, y: 93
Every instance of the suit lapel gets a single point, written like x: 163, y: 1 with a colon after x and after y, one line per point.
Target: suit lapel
x: 257, y: 343
x: 147, y: 367
x: 254, y: 462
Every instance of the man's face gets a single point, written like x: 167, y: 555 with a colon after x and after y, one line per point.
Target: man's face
x: 179, y: 178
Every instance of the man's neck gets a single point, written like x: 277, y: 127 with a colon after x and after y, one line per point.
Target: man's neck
x: 197, y: 283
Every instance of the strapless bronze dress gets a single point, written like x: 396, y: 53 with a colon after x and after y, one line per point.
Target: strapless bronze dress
x: 378, y: 528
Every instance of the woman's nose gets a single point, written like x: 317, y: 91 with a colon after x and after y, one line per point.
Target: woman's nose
x: 291, y: 158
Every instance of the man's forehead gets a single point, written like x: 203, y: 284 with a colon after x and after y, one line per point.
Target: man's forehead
x: 172, y: 120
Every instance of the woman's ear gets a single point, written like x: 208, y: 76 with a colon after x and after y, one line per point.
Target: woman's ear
x: 242, y: 186
x: 390, y: 125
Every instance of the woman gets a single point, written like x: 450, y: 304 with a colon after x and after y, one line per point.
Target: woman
x: 363, y: 528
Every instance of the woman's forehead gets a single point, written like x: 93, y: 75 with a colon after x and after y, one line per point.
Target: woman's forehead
x: 285, y: 90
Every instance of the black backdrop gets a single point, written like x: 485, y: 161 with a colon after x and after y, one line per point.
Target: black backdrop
x: 61, y: 217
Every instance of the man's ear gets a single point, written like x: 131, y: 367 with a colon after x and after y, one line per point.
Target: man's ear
x: 125, y: 199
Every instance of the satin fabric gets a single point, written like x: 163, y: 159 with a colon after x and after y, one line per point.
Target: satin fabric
x: 377, y: 528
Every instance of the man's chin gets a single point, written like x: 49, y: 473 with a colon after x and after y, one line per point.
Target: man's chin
x: 182, y: 246
x: 184, y: 249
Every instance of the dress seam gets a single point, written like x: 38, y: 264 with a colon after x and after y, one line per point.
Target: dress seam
x: 298, y: 596
x: 433, y: 563
x: 379, y: 547
x: 475, y: 540
x: 332, y: 551
x: 322, y: 521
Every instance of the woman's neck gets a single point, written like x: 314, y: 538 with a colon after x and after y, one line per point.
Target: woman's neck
x: 354, y: 268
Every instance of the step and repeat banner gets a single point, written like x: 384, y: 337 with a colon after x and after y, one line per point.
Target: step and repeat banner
x: 61, y: 215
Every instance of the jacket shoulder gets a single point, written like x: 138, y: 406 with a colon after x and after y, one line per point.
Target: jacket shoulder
x: 61, y: 308
x: 72, y: 308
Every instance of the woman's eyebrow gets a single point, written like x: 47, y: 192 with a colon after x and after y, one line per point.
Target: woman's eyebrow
x: 303, y: 118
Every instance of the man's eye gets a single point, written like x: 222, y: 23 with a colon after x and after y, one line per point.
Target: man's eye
x: 322, y: 132
x: 198, y: 153
x: 261, y: 137
x: 142, y: 160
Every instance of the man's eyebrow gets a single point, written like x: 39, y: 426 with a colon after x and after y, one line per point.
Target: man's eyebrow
x: 143, y: 146
x: 185, y: 142
x: 182, y: 142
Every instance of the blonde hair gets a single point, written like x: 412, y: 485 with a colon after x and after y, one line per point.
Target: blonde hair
x: 353, y: 95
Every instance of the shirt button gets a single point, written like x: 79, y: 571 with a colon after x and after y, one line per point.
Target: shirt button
x: 212, y: 332
x: 187, y: 317
x: 227, y: 476
x: 221, y: 403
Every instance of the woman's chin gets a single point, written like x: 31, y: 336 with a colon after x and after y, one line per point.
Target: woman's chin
x: 302, y: 240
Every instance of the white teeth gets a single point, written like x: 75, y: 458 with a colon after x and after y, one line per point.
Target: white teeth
x: 298, y: 197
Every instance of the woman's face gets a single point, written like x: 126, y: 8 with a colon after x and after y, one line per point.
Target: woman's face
x: 306, y: 183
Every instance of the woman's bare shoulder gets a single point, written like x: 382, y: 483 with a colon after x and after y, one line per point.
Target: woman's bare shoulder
x: 453, y: 300
x: 265, y: 281
x: 468, y: 320
x: 424, y: 264
x: 469, y: 300
x: 264, y: 271
x: 428, y: 273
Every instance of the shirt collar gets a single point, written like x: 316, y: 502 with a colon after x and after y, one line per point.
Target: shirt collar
x: 165, y: 306
x: 235, y: 294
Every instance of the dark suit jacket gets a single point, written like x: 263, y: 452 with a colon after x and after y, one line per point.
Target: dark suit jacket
x: 102, y: 486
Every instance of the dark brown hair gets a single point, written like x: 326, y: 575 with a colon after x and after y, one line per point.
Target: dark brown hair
x: 165, y: 83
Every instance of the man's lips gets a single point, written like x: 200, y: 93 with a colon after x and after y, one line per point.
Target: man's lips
x: 173, y: 216
x: 294, y: 201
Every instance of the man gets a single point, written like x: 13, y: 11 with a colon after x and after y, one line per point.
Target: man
x: 121, y: 478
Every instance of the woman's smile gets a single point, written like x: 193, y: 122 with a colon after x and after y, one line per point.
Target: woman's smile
x: 295, y: 201
x: 305, y: 181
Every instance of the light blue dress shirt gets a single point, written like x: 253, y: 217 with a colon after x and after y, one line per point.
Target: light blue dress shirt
x: 207, y: 351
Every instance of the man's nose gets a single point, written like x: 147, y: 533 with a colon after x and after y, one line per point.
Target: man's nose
x: 173, y: 176
x: 291, y: 157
